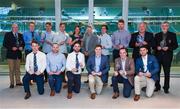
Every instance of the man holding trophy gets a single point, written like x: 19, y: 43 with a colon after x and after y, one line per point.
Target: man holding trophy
x: 56, y: 62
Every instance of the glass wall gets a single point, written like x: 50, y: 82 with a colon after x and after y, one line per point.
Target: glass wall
x: 76, y: 12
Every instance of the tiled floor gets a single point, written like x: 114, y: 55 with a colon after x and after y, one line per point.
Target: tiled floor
x: 14, y: 98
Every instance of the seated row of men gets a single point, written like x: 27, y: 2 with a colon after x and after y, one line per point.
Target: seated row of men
x: 143, y: 73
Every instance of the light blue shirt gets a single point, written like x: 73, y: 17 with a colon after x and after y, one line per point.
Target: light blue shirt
x: 97, y: 63
x: 121, y: 37
x: 47, y: 36
x: 105, y: 41
x: 27, y: 36
x: 55, y: 62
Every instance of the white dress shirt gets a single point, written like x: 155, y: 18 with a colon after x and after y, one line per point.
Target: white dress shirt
x: 123, y: 68
x: 41, y: 63
x: 71, y: 62
x: 144, y: 58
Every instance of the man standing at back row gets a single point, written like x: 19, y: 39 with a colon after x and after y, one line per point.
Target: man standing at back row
x: 14, y: 43
x: 166, y: 42
x: 120, y: 39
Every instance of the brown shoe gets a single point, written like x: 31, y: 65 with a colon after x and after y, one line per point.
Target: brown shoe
x: 65, y: 86
x: 136, y: 97
x: 93, y: 95
x: 69, y: 96
x: 52, y: 93
x: 115, y: 95
x: 27, y: 96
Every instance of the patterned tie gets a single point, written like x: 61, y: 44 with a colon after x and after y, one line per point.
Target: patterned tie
x: 17, y: 41
x: 35, y: 63
x: 77, y: 62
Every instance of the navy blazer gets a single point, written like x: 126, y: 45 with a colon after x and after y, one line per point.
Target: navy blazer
x: 152, y: 66
x: 104, y: 67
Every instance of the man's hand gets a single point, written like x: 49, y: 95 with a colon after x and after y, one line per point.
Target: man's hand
x: 144, y: 43
x: 81, y: 65
x: 116, y: 73
x: 137, y: 44
x: 93, y: 73
x: 74, y: 70
x: 159, y: 48
x: 165, y: 48
x: 20, y: 48
x: 148, y: 74
x: 120, y: 46
x: 141, y: 74
x: 14, y: 48
x: 50, y: 73
x: 99, y: 73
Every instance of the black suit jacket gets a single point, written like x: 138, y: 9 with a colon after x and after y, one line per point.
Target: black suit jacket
x: 149, y: 38
x: 10, y: 42
x: 171, y: 43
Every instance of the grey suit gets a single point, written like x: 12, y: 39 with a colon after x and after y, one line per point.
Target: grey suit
x: 89, y: 44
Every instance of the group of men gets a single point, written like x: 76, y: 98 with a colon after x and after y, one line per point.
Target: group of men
x: 93, y: 52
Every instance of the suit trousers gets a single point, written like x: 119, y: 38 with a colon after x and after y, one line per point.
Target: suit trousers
x: 95, y: 84
x: 39, y: 79
x: 74, y: 82
x: 127, y: 87
x: 143, y: 81
x: 55, y: 82
x: 164, y: 61
x: 14, y: 70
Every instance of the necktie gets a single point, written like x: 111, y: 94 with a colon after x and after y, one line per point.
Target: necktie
x: 17, y: 42
x: 32, y: 35
x: 77, y: 62
x: 35, y: 63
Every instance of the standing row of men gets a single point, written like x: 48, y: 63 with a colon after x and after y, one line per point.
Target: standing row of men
x: 163, y: 44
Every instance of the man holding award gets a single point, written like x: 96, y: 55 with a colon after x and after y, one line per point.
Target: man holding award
x: 74, y: 65
x: 56, y: 62
x: 146, y: 69
x: 166, y: 42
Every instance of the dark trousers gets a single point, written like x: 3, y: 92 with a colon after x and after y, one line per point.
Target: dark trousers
x: 55, y: 82
x: 107, y: 74
x: 127, y: 87
x: 74, y: 82
x: 39, y: 81
x: 164, y: 61
x: 115, y: 54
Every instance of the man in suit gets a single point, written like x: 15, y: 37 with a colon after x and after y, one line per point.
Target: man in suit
x: 14, y: 43
x: 141, y: 38
x: 35, y: 66
x: 146, y: 69
x: 166, y: 42
x: 123, y: 73
x: 97, y: 67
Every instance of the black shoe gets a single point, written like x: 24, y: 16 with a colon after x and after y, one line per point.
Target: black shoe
x: 86, y: 81
x: 157, y: 89
x: 28, y: 95
x: 11, y: 86
x: 144, y: 89
x: 19, y: 84
x: 166, y: 91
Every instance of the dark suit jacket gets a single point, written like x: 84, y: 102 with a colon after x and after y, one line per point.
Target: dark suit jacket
x: 149, y: 38
x: 104, y: 67
x: 171, y: 42
x: 129, y: 67
x: 10, y: 42
x: 152, y: 66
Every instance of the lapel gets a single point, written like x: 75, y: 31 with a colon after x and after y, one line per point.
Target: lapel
x: 101, y: 61
x: 127, y: 64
